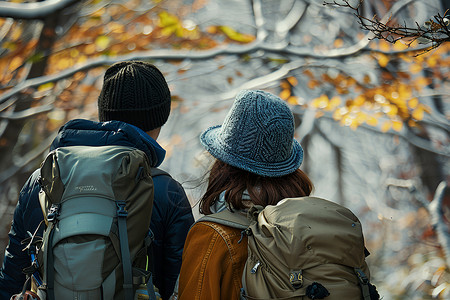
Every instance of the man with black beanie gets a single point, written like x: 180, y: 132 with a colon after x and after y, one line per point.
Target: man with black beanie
x: 133, y: 105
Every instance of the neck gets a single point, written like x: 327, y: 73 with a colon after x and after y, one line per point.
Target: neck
x: 154, y: 133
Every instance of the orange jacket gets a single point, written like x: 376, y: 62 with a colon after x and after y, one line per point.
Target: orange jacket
x: 213, y: 262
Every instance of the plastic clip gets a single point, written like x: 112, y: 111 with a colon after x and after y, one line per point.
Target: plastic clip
x: 53, y: 213
x: 121, y: 210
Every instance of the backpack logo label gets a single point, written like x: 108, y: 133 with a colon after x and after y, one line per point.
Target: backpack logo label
x: 85, y: 188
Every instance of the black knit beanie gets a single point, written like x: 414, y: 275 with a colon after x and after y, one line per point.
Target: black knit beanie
x: 134, y: 92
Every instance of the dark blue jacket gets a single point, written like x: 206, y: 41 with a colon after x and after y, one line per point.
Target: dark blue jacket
x: 171, y: 216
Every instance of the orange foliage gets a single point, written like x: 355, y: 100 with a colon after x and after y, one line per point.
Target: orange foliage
x: 391, y: 103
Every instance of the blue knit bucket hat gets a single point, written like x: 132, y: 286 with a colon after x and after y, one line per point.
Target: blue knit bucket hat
x: 257, y: 135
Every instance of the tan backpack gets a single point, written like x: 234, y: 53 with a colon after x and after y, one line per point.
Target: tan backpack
x: 302, y: 248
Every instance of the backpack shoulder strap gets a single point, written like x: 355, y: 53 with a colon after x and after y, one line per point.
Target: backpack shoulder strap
x: 157, y: 172
x: 225, y: 217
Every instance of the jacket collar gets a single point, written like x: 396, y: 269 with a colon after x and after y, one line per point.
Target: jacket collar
x: 80, y: 132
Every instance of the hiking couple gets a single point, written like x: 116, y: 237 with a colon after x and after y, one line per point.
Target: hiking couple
x: 257, y: 165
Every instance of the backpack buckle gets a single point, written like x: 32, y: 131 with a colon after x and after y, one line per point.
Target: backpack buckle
x: 53, y: 212
x: 121, y: 210
x: 361, y: 276
x: 296, y: 279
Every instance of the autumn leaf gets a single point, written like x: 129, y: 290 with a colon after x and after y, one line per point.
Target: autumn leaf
x: 293, y: 100
x: 383, y: 60
x: 384, y: 45
x: 285, y: 94
x: 313, y: 83
x: 418, y: 113
x: 292, y: 80
x: 236, y: 36
x: 399, y: 46
x: 415, y: 68
x: 413, y: 103
x: 320, y: 102
x: 397, y: 125
x: 102, y: 42
x: 372, y: 121
x: 338, y: 43
x: 46, y: 86
x: 386, y: 126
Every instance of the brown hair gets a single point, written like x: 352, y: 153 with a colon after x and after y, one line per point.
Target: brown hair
x: 262, y: 190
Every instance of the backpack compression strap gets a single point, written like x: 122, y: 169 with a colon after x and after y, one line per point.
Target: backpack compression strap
x: 364, y: 283
x: 125, y: 250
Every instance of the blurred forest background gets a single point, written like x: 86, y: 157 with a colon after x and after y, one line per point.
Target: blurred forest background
x: 372, y: 114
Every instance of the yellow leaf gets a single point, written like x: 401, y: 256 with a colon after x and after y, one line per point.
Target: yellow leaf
x: 338, y: 43
x: 415, y: 68
x: 284, y: 85
x: 422, y: 82
x: 359, y: 100
x: 236, y: 36
x: 397, y: 125
x: 212, y: 29
x: 372, y: 121
x: 432, y: 61
x: 116, y: 27
x: 285, y: 94
x: 425, y: 108
x: 169, y: 30
x: 383, y: 60
x: 313, y: 83
x: 102, y: 42
x: 384, y: 45
x: 293, y: 100
x: 166, y: 19
x: 82, y: 59
x: 15, y: 63
x: 386, y: 126
x: 354, y: 124
x: 392, y: 111
x: 320, y: 102
x: 361, y: 117
x: 9, y: 45
x: 74, y: 53
x: 413, y: 103
x: 418, y: 113
x: 64, y: 63
x: 399, y: 46
x: 334, y: 102
x: 292, y: 80
x: 46, y: 86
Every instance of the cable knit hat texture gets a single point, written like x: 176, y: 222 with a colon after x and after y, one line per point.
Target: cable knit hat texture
x: 257, y: 135
x: 134, y: 92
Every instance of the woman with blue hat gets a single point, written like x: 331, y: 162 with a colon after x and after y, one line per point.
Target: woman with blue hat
x: 257, y: 163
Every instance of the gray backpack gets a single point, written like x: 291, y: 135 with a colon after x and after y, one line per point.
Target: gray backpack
x: 302, y: 248
x: 97, y: 204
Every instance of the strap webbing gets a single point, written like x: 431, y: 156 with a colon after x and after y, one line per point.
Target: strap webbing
x: 50, y: 265
x: 125, y: 250
x: 364, y: 283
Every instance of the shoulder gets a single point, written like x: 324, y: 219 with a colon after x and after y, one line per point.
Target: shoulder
x: 227, y: 236
x: 207, y: 237
x: 166, y: 187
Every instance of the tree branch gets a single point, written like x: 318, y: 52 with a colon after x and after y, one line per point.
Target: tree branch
x: 435, y: 31
x: 438, y: 219
x: 27, y: 113
x: 30, y: 11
